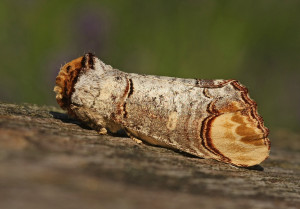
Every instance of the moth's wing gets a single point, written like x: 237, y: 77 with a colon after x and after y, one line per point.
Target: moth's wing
x: 237, y: 138
x: 228, y: 127
x: 234, y: 132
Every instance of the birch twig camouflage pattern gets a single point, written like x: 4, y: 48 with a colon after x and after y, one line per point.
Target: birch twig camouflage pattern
x: 206, y: 118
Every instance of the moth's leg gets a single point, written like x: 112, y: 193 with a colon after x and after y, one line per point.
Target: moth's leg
x: 136, y: 140
x: 102, y: 131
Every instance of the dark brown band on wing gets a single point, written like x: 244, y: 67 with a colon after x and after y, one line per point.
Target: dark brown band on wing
x: 131, y: 88
x: 205, y: 93
x: 211, y: 107
x: 121, y: 111
x: 124, y: 110
x: 206, y: 138
x: 253, y: 106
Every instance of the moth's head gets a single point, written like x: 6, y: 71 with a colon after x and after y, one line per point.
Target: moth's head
x: 67, y: 78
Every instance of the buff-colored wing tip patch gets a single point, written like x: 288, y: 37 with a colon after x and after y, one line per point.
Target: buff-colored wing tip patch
x: 239, y: 138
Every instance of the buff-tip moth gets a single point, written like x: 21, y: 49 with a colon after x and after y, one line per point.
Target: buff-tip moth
x: 206, y: 118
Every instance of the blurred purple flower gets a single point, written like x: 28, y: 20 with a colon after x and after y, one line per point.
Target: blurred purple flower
x: 92, y: 29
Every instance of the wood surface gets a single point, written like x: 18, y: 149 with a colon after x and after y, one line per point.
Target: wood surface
x: 48, y: 160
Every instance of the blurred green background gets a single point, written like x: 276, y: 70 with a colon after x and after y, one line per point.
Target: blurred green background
x: 256, y: 42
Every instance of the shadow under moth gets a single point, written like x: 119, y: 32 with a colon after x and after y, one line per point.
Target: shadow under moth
x: 206, y: 118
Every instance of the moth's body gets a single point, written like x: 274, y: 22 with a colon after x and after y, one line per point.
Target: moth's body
x: 207, y: 118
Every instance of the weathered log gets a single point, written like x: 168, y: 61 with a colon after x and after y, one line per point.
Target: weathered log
x: 48, y: 160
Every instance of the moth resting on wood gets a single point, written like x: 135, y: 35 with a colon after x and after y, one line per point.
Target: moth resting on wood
x: 206, y: 118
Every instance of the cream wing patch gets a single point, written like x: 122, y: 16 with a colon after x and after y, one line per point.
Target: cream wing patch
x: 239, y: 134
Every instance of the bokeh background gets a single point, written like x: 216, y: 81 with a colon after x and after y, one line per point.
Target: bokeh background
x: 256, y: 42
